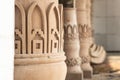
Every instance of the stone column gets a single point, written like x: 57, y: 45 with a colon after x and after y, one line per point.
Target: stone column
x: 85, y: 35
x: 39, y: 51
x: 89, y: 13
x: 89, y: 18
x: 71, y: 45
x: 97, y: 52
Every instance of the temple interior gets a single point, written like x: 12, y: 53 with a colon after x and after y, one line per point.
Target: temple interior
x: 67, y: 40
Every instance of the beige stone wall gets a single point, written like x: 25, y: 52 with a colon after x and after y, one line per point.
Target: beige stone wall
x: 106, y: 19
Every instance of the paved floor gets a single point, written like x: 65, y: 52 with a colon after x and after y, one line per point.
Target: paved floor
x: 109, y: 70
x: 107, y: 76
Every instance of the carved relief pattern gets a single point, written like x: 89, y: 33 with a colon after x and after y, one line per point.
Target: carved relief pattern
x: 40, y: 34
x: 36, y: 29
x: 71, y: 32
x: 20, y: 47
x: 73, y: 61
x: 85, y: 31
x: 53, y: 29
x: 85, y: 59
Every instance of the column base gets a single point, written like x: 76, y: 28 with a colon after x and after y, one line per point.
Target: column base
x: 87, y: 74
x: 74, y: 76
x: 87, y: 71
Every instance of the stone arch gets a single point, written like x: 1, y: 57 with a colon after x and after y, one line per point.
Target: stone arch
x: 69, y: 29
x: 20, y: 27
x: 53, y: 26
x: 33, y: 29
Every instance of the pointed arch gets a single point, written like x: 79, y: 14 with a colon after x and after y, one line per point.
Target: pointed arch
x: 22, y: 12
x: 54, y: 9
x: 41, y: 16
x: 53, y: 27
x: 39, y: 19
x: 69, y: 29
x: 20, y: 27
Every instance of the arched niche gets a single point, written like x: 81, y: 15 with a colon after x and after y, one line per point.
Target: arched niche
x: 53, y: 28
x: 36, y: 24
x: 20, y: 28
x: 69, y: 29
x: 18, y: 18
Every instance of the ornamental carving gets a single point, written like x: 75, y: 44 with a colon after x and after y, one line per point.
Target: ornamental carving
x: 39, y: 40
x: 73, y: 61
x: 20, y: 29
x: 85, y: 59
x: 35, y: 33
x: 71, y: 32
x: 85, y: 31
x: 97, y: 54
x: 71, y: 42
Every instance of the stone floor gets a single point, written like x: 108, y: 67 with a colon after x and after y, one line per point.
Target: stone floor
x: 107, y: 76
x: 109, y: 70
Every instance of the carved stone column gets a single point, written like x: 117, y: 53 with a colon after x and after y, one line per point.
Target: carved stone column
x: 85, y: 33
x: 39, y: 51
x: 97, y: 52
x: 85, y: 43
x: 71, y: 45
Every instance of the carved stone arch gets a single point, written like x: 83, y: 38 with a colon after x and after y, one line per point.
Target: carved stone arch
x: 54, y: 8
x: 33, y: 29
x: 22, y: 12
x: 30, y: 11
x: 53, y: 17
x: 20, y: 26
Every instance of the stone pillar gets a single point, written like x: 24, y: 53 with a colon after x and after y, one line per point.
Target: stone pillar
x: 89, y: 17
x: 39, y: 51
x: 89, y: 13
x: 97, y: 52
x: 85, y: 33
x: 71, y: 45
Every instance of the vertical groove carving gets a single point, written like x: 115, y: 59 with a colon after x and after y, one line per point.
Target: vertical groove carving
x: 20, y: 29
